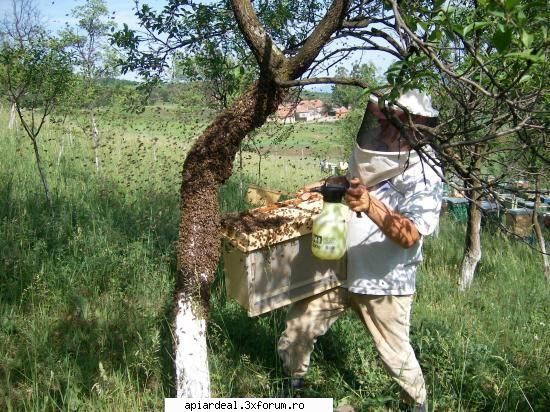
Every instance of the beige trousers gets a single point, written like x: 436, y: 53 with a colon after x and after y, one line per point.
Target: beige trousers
x: 386, y: 317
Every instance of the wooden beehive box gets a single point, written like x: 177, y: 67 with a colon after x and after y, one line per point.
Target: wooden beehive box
x: 267, y: 257
x: 520, y: 221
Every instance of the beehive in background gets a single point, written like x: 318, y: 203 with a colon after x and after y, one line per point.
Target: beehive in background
x: 457, y: 207
x: 267, y: 257
x: 520, y: 221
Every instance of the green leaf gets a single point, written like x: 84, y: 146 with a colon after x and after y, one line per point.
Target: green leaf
x: 502, y: 39
x: 440, y: 17
x: 458, y: 28
x: 525, y: 78
x: 526, y: 39
x: 475, y: 26
x: 497, y: 13
x: 435, y: 35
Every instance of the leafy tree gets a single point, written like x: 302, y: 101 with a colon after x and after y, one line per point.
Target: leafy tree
x: 35, y: 73
x: 221, y: 76
x: 21, y: 26
x: 93, y: 60
x: 350, y: 96
x: 35, y: 77
x: 482, y: 59
x: 209, y: 162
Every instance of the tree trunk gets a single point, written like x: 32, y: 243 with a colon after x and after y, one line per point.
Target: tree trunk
x: 191, y: 360
x: 207, y: 166
x: 538, y: 231
x: 61, y: 150
x: 41, y: 172
x: 95, y: 139
x: 13, y: 113
x: 472, y: 248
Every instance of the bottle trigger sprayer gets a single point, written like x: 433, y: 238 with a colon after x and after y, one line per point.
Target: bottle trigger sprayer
x: 328, y: 236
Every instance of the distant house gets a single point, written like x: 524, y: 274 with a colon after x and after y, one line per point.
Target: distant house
x: 308, y: 111
x: 286, y: 113
x: 303, y: 111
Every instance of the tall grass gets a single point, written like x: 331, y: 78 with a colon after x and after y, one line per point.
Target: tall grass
x: 86, y: 291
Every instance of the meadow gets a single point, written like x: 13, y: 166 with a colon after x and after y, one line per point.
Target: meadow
x: 86, y: 285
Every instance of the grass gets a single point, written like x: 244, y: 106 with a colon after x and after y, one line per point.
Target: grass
x: 86, y: 291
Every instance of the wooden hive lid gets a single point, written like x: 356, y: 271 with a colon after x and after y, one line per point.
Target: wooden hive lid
x: 269, y: 225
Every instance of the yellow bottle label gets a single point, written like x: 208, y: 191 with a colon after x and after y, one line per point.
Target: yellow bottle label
x: 329, y: 232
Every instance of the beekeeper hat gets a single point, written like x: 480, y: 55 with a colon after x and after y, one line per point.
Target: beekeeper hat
x: 415, y: 101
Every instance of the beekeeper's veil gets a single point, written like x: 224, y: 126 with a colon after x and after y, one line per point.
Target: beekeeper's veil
x: 378, y: 155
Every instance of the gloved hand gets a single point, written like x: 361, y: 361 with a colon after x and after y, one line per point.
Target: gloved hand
x: 357, y: 197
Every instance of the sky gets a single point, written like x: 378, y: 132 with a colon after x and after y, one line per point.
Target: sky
x: 56, y: 13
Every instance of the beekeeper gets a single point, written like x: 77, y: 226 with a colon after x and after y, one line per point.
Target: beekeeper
x: 399, y: 197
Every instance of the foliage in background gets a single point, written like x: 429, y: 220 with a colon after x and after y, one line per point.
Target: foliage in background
x: 35, y: 76
x: 221, y: 76
x: 352, y: 96
x: 93, y: 62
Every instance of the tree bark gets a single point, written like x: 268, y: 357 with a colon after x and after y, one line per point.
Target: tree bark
x: 41, y: 171
x: 191, y: 357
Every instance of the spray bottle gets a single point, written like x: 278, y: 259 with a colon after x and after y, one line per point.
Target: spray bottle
x: 328, y: 236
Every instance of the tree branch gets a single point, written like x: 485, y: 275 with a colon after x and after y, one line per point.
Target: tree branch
x: 324, y: 80
x: 265, y: 51
x: 330, y: 23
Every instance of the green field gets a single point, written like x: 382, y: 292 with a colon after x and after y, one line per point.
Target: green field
x: 86, y: 286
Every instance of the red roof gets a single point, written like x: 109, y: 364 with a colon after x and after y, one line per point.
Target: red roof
x: 305, y: 106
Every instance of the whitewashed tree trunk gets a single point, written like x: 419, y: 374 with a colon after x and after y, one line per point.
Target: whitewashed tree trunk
x: 95, y: 140
x: 542, y: 245
x: 13, y: 113
x: 208, y: 164
x: 61, y: 149
x: 472, y: 250
x: 192, y: 375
